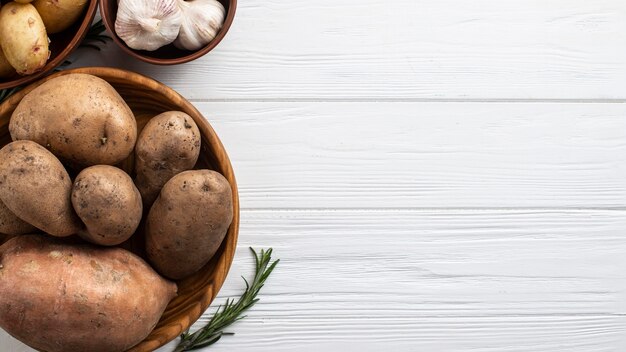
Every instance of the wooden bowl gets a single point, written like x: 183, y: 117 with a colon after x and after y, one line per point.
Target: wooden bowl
x: 169, y: 54
x: 147, y: 98
x: 61, y: 46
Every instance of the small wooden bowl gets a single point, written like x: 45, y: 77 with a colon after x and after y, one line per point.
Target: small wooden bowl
x: 147, y: 98
x: 61, y: 46
x: 169, y: 54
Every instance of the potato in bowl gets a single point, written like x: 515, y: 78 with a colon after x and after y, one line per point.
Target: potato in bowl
x: 147, y: 98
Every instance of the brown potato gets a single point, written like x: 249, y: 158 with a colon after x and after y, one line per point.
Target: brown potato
x: 109, y: 204
x: 35, y: 187
x: 6, y: 70
x: 10, y: 224
x: 23, y: 37
x: 60, y: 297
x: 168, y: 145
x: 80, y: 118
x: 188, y: 222
x: 58, y: 15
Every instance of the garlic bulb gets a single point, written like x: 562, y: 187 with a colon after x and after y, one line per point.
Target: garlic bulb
x: 148, y: 24
x: 202, y: 19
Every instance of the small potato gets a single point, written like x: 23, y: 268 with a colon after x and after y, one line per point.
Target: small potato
x: 168, y: 145
x: 60, y: 297
x: 10, y: 224
x: 80, y: 118
x: 188, y: 222
x: 109, y: 204
x: 35, y: 186
x: 58, y: 15
x: 6, y: 70
x: 23, y: 37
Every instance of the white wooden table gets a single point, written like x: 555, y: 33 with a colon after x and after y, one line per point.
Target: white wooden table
x: 435, y: 175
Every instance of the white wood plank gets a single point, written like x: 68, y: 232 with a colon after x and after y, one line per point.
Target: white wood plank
x: 424, y: 155
x: 430, y: 281
x: 427, y: 49
x: 492, y: 280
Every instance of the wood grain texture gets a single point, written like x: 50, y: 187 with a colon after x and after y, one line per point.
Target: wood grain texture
x: 492, y: 280
x: 426, y: 49
x: 435, y: 175
x: 424, y: 155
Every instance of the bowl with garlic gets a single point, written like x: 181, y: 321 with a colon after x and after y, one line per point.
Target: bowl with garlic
x: 36, y: 36
x: 168, y: 32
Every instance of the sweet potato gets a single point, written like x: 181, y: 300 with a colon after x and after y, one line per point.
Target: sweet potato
x: 59, y: 297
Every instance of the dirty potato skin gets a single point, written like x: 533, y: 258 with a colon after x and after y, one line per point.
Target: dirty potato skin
x: 188, y: 222
x: 108, y: 203
x: 58, y: 15
x: 58, y: 297
x: 35, y: 186
x: 23, y: 37
x: 10, y: 224
x: 80, y: 118
x: 168, y: 145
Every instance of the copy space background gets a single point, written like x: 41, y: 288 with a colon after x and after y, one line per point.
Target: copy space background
x: 435, y: 175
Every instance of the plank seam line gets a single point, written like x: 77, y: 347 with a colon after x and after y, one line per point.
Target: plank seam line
x: 405, y: 100
x: 440, y: 209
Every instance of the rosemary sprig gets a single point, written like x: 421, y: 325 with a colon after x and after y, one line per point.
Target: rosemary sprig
x: 231, y: 311
x: 93, y: 39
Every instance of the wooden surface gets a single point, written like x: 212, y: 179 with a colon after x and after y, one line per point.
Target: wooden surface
x: 435, y: 175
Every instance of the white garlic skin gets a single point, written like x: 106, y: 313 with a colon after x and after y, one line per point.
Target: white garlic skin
x: 202, y: 19
x: 148, y: 24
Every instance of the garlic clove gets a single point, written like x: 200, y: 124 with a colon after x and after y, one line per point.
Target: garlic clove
x: 148, y: 24
x: 202, y: 19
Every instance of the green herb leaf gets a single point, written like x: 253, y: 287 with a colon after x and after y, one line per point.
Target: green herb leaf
x: 231, y: 311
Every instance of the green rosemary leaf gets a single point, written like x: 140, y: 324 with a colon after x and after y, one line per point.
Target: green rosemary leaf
x: 232, y: 310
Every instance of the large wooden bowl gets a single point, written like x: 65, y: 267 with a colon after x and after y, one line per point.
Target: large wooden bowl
x: 147, y: 98
x: 61, y: 46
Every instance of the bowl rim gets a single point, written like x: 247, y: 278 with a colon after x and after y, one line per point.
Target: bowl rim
x: 168, y: 329
x: 59, y: 59
x: 228, y: 21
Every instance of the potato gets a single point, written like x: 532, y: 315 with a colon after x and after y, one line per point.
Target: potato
x: 6, y: 70
x: 168, y: 145
x: 23, y: 38
x: 10, y: 224
x: 109, y: 204
x: 35, y: 187
x: 58, y: 15
x: 80, y: 118
x: 59, y: 297
x: 188, y: 222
